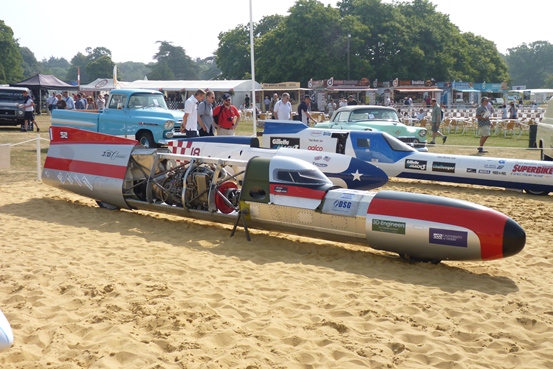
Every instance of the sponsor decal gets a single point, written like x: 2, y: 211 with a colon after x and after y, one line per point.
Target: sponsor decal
x: 64, y: 135
x: 340, y: 204
x: 315, y: 148
x: 532, y: 169
x: 327, y: 158
x: 471, y: 170
x: 315, y: 140
x: 446, y: 157
x: 281, y: 189
x: 113, y: 155
x: 316, y: 133
x: 493, y: 166
x: 496, y: 172
x: 326, y: 133
x: 448, y: 237
x: 277, y: 142
x: 320, y: 165
x: 347, y: 196
x: 388, y: 226
x: 318, y: 157
x: 415, y: 164
x: 439, y: 166
x: 483, y: 171
x: 502, y: 162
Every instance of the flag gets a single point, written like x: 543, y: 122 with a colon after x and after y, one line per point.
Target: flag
x: 79, y: 76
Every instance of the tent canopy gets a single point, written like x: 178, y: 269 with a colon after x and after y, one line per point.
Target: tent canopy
x: 102, y: 84
x: 45, y: 81
x: 191, y: 86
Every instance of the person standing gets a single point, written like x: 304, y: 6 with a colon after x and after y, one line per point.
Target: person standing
x: 205, y: 115
x: 283, y: 108
x: 52, y: 101
x: 267, y: 102
x: 100, y: 102
x: 190, y: 119
x: 512, y: 111
x: 247, y: 102
x: 303, y: 110
x: 331, y: 106
x: 272, y: 104
x: 29, y: 113
x: 484, y: 124
x: 227, y: 117
x: 351, y: 100
x: 69, y: 102
x: 436, y: 121
x: 61, y: 104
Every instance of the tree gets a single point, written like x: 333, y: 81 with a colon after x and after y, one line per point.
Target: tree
x: 11, y: 60
x: 161, y: 72
x: 78, y: 61
x: 133, y: 71
x: 101, y: 68
x: 530, y: 64
x: 175, y: 58
x: 30, y: 65
x: 56, y: 67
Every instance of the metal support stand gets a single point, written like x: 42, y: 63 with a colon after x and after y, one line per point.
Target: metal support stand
x: 241, y: 214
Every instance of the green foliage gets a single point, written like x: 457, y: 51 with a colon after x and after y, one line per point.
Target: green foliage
x: 530, y: 64
x: 175, y: 58
x: 30, y: 65
x: 101, y: 67
x: 132, y: 71
x: 233, y: 54
x: 11, y: 61
x: 161, y: 72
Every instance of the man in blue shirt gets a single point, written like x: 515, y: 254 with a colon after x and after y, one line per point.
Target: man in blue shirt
x: 303, y: 112
x: 69, y: 102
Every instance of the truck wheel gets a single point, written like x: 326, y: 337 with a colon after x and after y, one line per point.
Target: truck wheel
x: 147, y: 140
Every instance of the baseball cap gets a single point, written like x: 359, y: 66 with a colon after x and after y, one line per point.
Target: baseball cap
x: 226, y: 96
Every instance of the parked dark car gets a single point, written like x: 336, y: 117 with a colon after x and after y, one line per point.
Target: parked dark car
x: 12, y: 111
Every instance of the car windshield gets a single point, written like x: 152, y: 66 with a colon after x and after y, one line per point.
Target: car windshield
x: 138, y: 101
x: 365, y: 114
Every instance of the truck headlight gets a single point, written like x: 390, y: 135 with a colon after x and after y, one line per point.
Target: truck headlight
x: 20, y: 112
x: 169, y: 124
x: 422, y: 132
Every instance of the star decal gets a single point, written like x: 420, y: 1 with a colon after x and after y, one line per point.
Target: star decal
x: 356, y: 175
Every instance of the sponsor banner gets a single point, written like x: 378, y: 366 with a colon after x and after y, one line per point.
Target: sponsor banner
x: 439, y: 166
x: 532, y: 170
x: 415, y: 164
x: 448, y: 237
x: 278, y: 142
x: 388, y: 226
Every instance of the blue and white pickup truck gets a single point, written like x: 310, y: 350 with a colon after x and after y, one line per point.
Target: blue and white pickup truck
x: 131, y: 113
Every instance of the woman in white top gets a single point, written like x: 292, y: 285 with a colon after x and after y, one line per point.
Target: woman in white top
x: 283, y: 108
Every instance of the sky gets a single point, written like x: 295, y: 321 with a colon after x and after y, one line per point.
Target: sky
x: 130, y: 29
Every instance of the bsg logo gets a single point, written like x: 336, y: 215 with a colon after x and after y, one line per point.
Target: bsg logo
x: 342, y: 204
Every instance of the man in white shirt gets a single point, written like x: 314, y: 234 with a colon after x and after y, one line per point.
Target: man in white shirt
x: 283, y: 108
x: 190, y: 119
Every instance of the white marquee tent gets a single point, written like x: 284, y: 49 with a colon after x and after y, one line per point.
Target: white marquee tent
x: 103, y: 84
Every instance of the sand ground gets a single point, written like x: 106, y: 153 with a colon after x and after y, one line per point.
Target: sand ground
x: 85, y: 287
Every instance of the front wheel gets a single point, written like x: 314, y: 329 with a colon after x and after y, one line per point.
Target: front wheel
x: 147, y: 140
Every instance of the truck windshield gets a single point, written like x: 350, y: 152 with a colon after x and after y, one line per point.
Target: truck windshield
x: 147, y: 100
x: 11, y: 95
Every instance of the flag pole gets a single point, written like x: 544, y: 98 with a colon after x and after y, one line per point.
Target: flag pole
x: 254, y: 110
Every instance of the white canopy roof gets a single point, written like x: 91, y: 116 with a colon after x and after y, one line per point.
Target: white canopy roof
x: 213, y: 85
x: 102, y: 84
